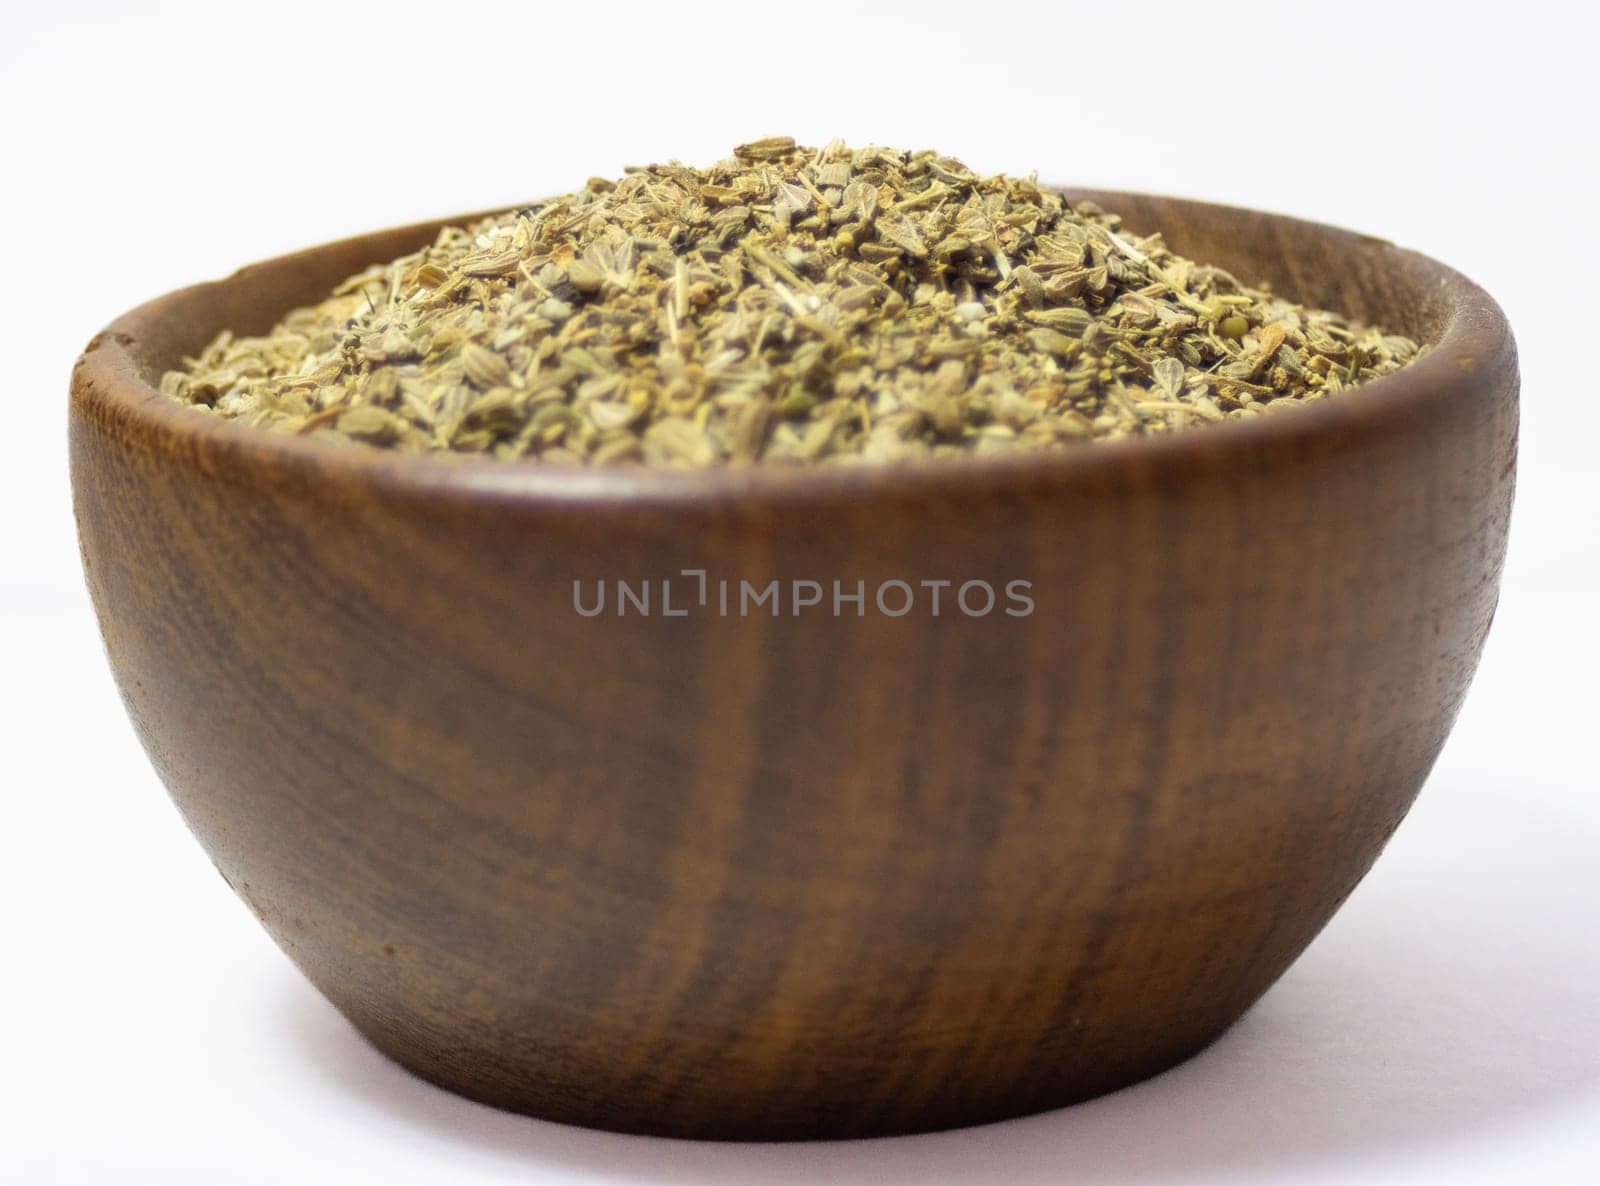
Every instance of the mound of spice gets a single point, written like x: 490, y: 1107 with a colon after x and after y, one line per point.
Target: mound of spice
x: 788, y: 304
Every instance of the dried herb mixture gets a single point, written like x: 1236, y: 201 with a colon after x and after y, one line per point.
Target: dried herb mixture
x: 788, y: 304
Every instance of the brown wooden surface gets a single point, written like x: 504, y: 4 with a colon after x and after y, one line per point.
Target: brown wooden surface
x: 806, y: 876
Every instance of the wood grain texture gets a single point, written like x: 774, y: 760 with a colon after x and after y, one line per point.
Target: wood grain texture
x: 805, y: 876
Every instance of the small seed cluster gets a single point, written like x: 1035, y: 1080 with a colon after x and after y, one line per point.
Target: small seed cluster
x: 788, y: 304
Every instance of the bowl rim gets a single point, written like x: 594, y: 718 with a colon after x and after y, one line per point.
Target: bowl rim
x: 109, y: 382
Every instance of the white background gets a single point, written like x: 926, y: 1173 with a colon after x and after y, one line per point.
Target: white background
x: 1445, y: 1028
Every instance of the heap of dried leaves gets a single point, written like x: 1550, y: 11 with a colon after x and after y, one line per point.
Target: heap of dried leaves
x: 788, y: 304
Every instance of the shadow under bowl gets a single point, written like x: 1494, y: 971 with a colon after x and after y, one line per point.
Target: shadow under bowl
x: 808, y: 874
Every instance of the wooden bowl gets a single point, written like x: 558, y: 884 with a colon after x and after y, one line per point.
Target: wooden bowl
x: 806, y: 875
